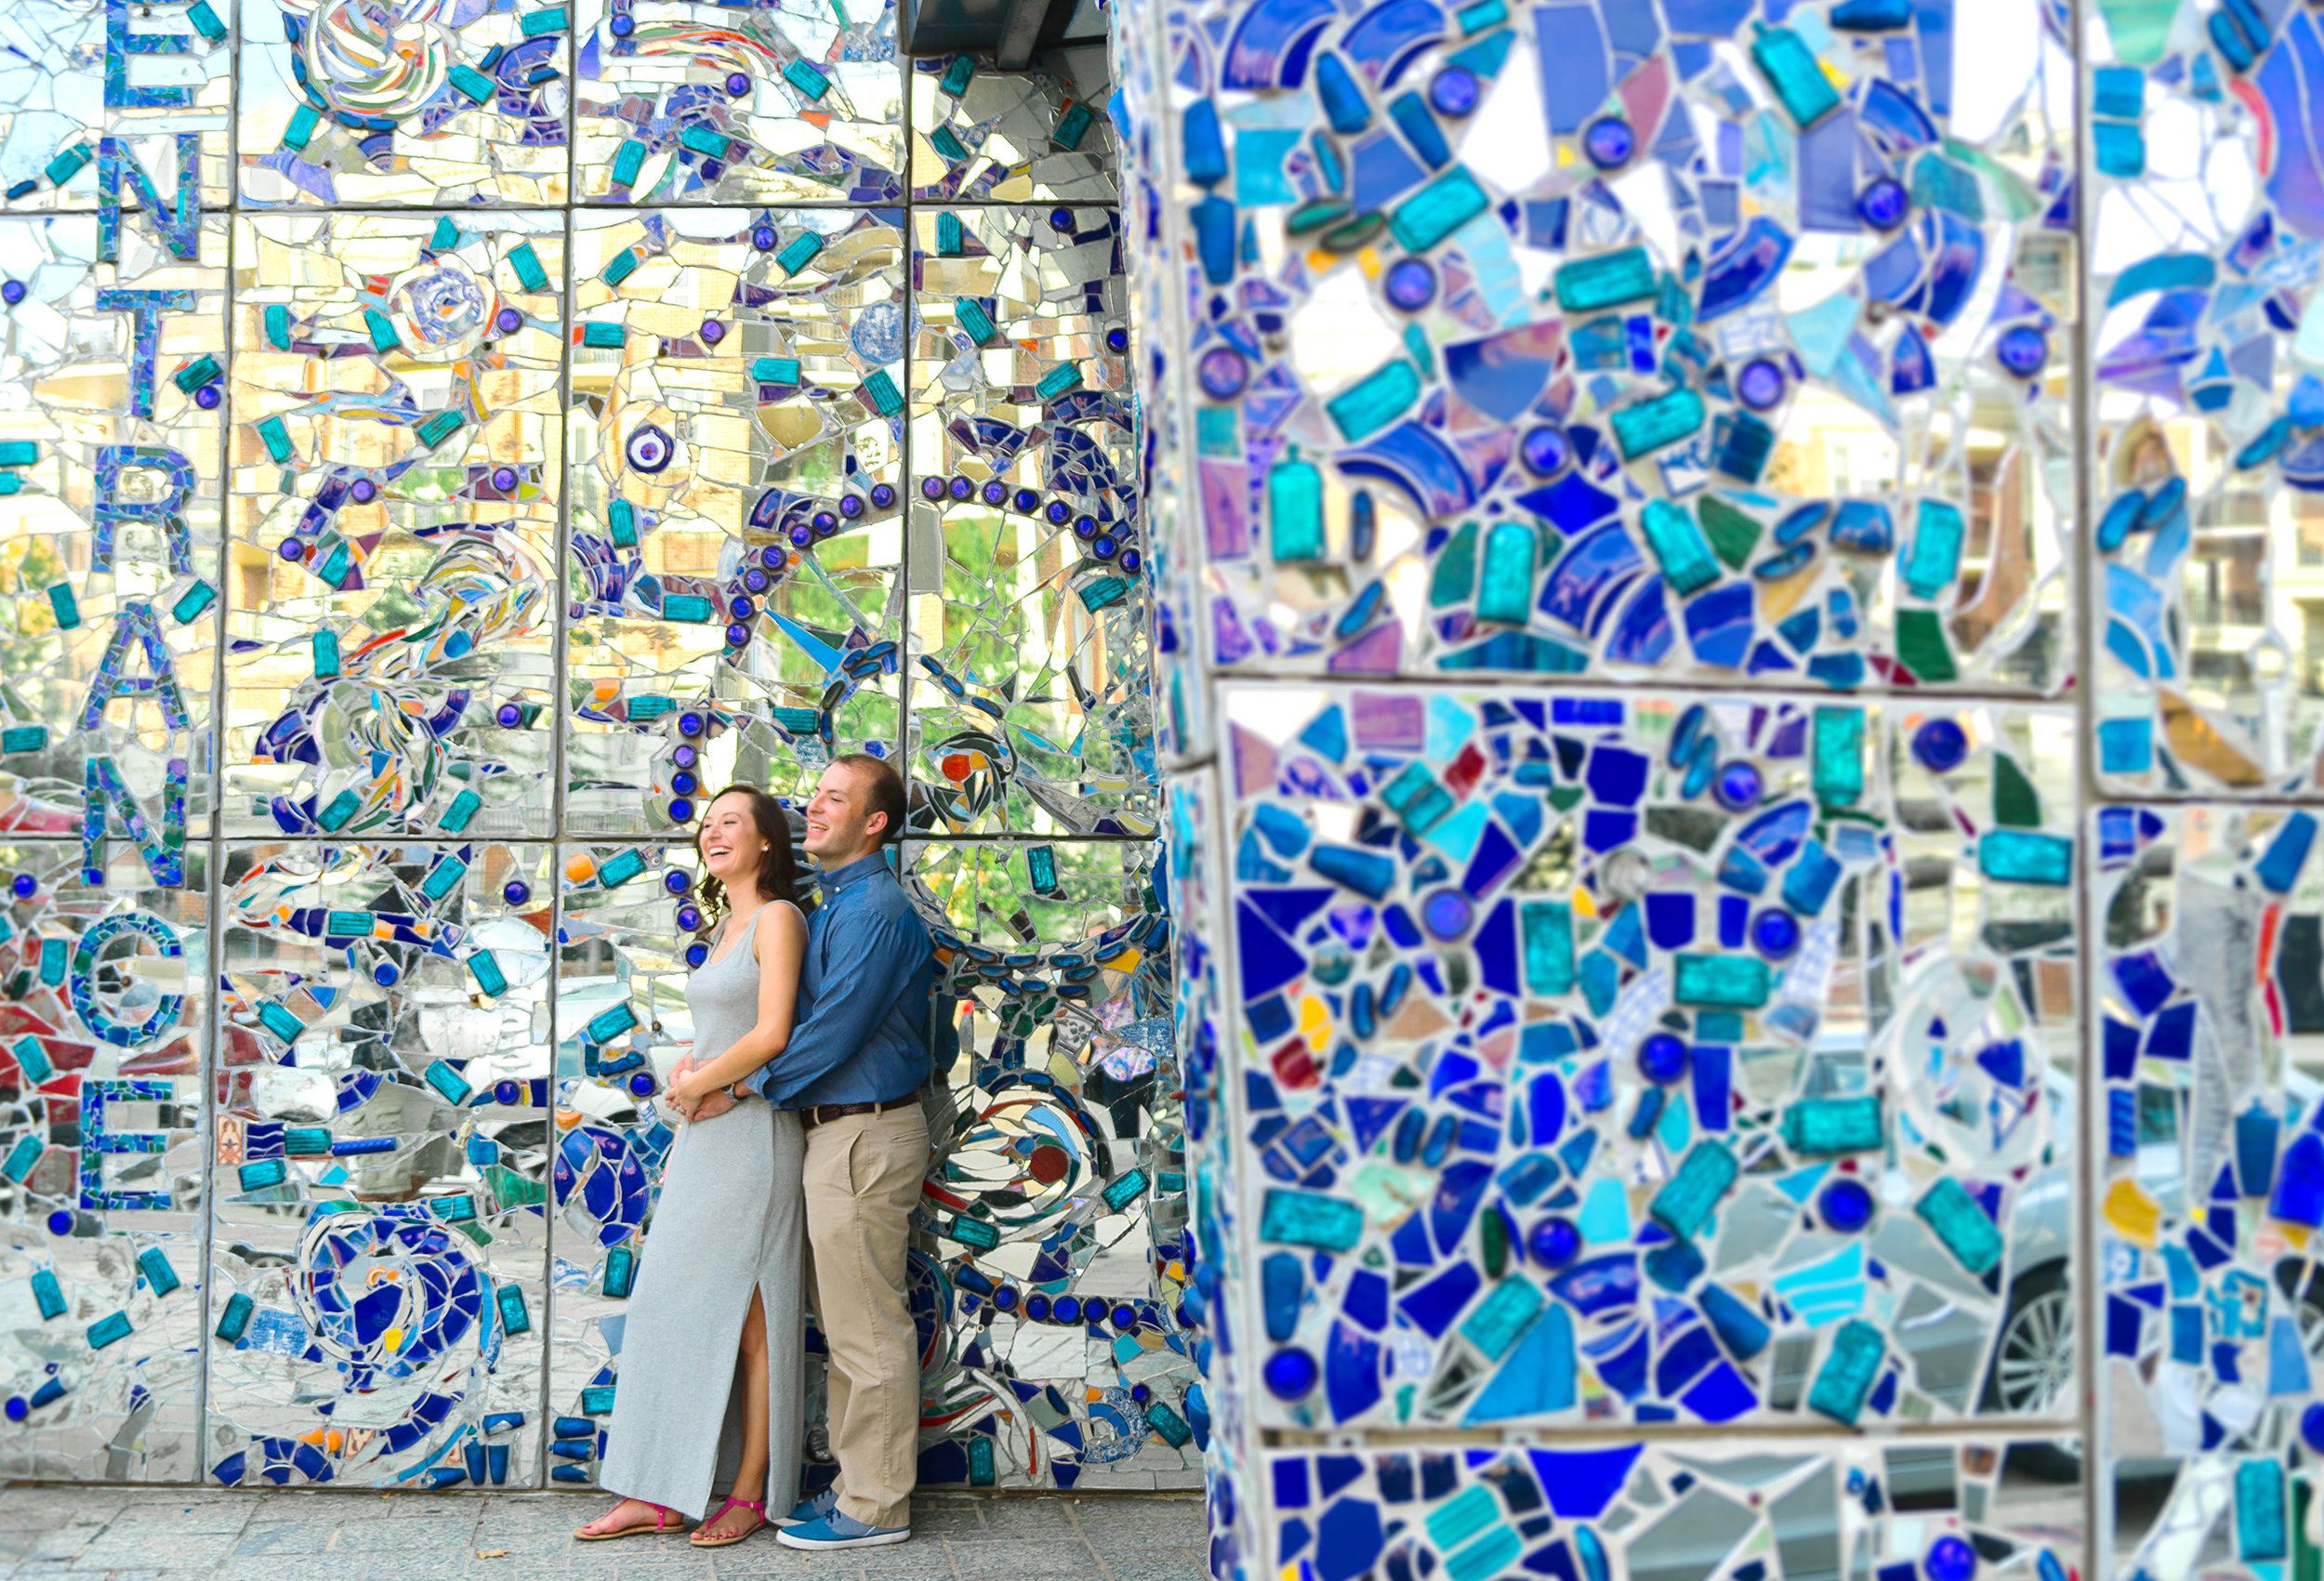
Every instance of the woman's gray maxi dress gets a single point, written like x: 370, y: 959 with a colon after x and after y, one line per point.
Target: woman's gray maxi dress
x: 732, y: 1210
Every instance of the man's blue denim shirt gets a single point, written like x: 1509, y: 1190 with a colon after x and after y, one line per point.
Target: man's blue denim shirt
x: 861, y: 1032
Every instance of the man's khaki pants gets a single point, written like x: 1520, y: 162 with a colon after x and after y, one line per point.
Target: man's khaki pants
x: 864, y: 1175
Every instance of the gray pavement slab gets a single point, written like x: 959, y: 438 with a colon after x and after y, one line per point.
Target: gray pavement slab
x: 49, y: 1533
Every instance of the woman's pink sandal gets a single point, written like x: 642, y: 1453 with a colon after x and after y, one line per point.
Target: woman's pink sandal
x: 697, y: 1539
x: 666, y: 1520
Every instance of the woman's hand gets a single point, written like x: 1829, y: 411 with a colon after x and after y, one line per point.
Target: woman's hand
x: 690, y: 1086
x: 671, y: 1089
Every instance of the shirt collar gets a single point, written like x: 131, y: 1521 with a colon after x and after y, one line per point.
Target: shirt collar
x: 853, y: 873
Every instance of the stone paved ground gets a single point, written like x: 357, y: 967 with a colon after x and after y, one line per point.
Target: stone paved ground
x: 57, y: 1533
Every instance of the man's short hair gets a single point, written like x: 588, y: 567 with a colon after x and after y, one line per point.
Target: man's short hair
x: 885, y: 789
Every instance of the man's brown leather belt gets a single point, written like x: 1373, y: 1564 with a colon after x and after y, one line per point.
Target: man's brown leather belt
x: 821, y: 1112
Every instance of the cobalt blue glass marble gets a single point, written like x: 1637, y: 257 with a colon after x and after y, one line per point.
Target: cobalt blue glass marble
x: 1547, y: 450
x: 1290, y: 1374
x: 1609, y: 142
x: 1662, y: 1058
x: 1411, y: 284
x: 1739, y: 786
x: 1940, y: 744
x: 1845, y: 1204
x: 1454, y: 91
x: 1222, y: 373
x: 1554, y: 1242
x: 2023, y: 349
x: 1884, y: 203
x: 1950, y: 1559
x: 1776, y: 934
x: 1760, y: 385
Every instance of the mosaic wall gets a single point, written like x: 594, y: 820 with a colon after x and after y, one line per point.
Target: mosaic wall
x: 440, y: 443
x: 1739, y: 652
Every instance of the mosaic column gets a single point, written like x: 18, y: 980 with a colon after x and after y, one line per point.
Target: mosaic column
x: 1617, y: 467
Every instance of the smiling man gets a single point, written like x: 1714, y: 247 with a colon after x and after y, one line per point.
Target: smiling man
x: 857, y: 1058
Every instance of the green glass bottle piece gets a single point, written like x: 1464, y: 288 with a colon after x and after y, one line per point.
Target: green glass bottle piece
x: 810, y: 82
x: 619, y: 868
x: 488, y: 974
x: 280, y: 1021
x: 971, y: 315
x: 1921, y: 648
x: 1295, y: 511
x: 608, y: 1024
x: 20, y: 1159
x: 1505, y: 591
x: 621, y: 1272
x: 206, y: 21
x: 1502, y: 1318
x: 952, y: 235
x: 2017, y: 805
x: 1849, y: 1370
x: 1732, y: 533
x: 629, y: 160
x: 1790, y: 68
x: 301, y: 129
x: 957, y: 75
x: 339, y: 809
x: 439, y: 427
x: 1687, y: 1200
x: 325, y: 648
x: 2021, y: 856
x: 1679, y: 545
x: 1950, y: 1211
x: 1935, y: 559
x: 1549, y: 941
x: 1839, y: 756
x: 203, y: 370
x: 1493, y: 1241
x: 275, y: 434
x: 454, y: 1086
x: 344, y: 925
x: 799, y: 253
x: 472, y: 83
x: 1310, y: 1218
x: 1059, y: 380
x: 515, y: 1316
x: 1823, y: 1127
x: 1648, y: 426
x: 456, y: 815
x: 1073, y: 125
x: 1606, y: 281
x: 2262, y: 1527
x: 604, y: 337
x: 527, y: 264
x: 946, y: 141
x: 1128, y: 1189
x: 881, y: 395
x: 276, y: 321
x: 702, y: 141
x: 776, y: 370
x: 539, y: 24
x: 1375, y: 401
x: 972, y: 1233
x: 689, y: 609
x: 65, y: 606
x: 443, y: 878
x: 108, y: 1331
x: 235, y: 1322
x: 1453, y: 579
x: 1438, y: 209
x: 621, y: 520
x: 1415, y: 797
x: 198, y: 595
x: 307, y: 1142
x: 1733, y: 983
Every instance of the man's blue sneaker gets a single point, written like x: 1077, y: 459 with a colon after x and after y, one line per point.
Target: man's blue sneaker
x: 838, y: 1529
x: 809, y: 1508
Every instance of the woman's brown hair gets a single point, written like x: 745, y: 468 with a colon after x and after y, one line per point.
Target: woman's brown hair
x: 778, y: 870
